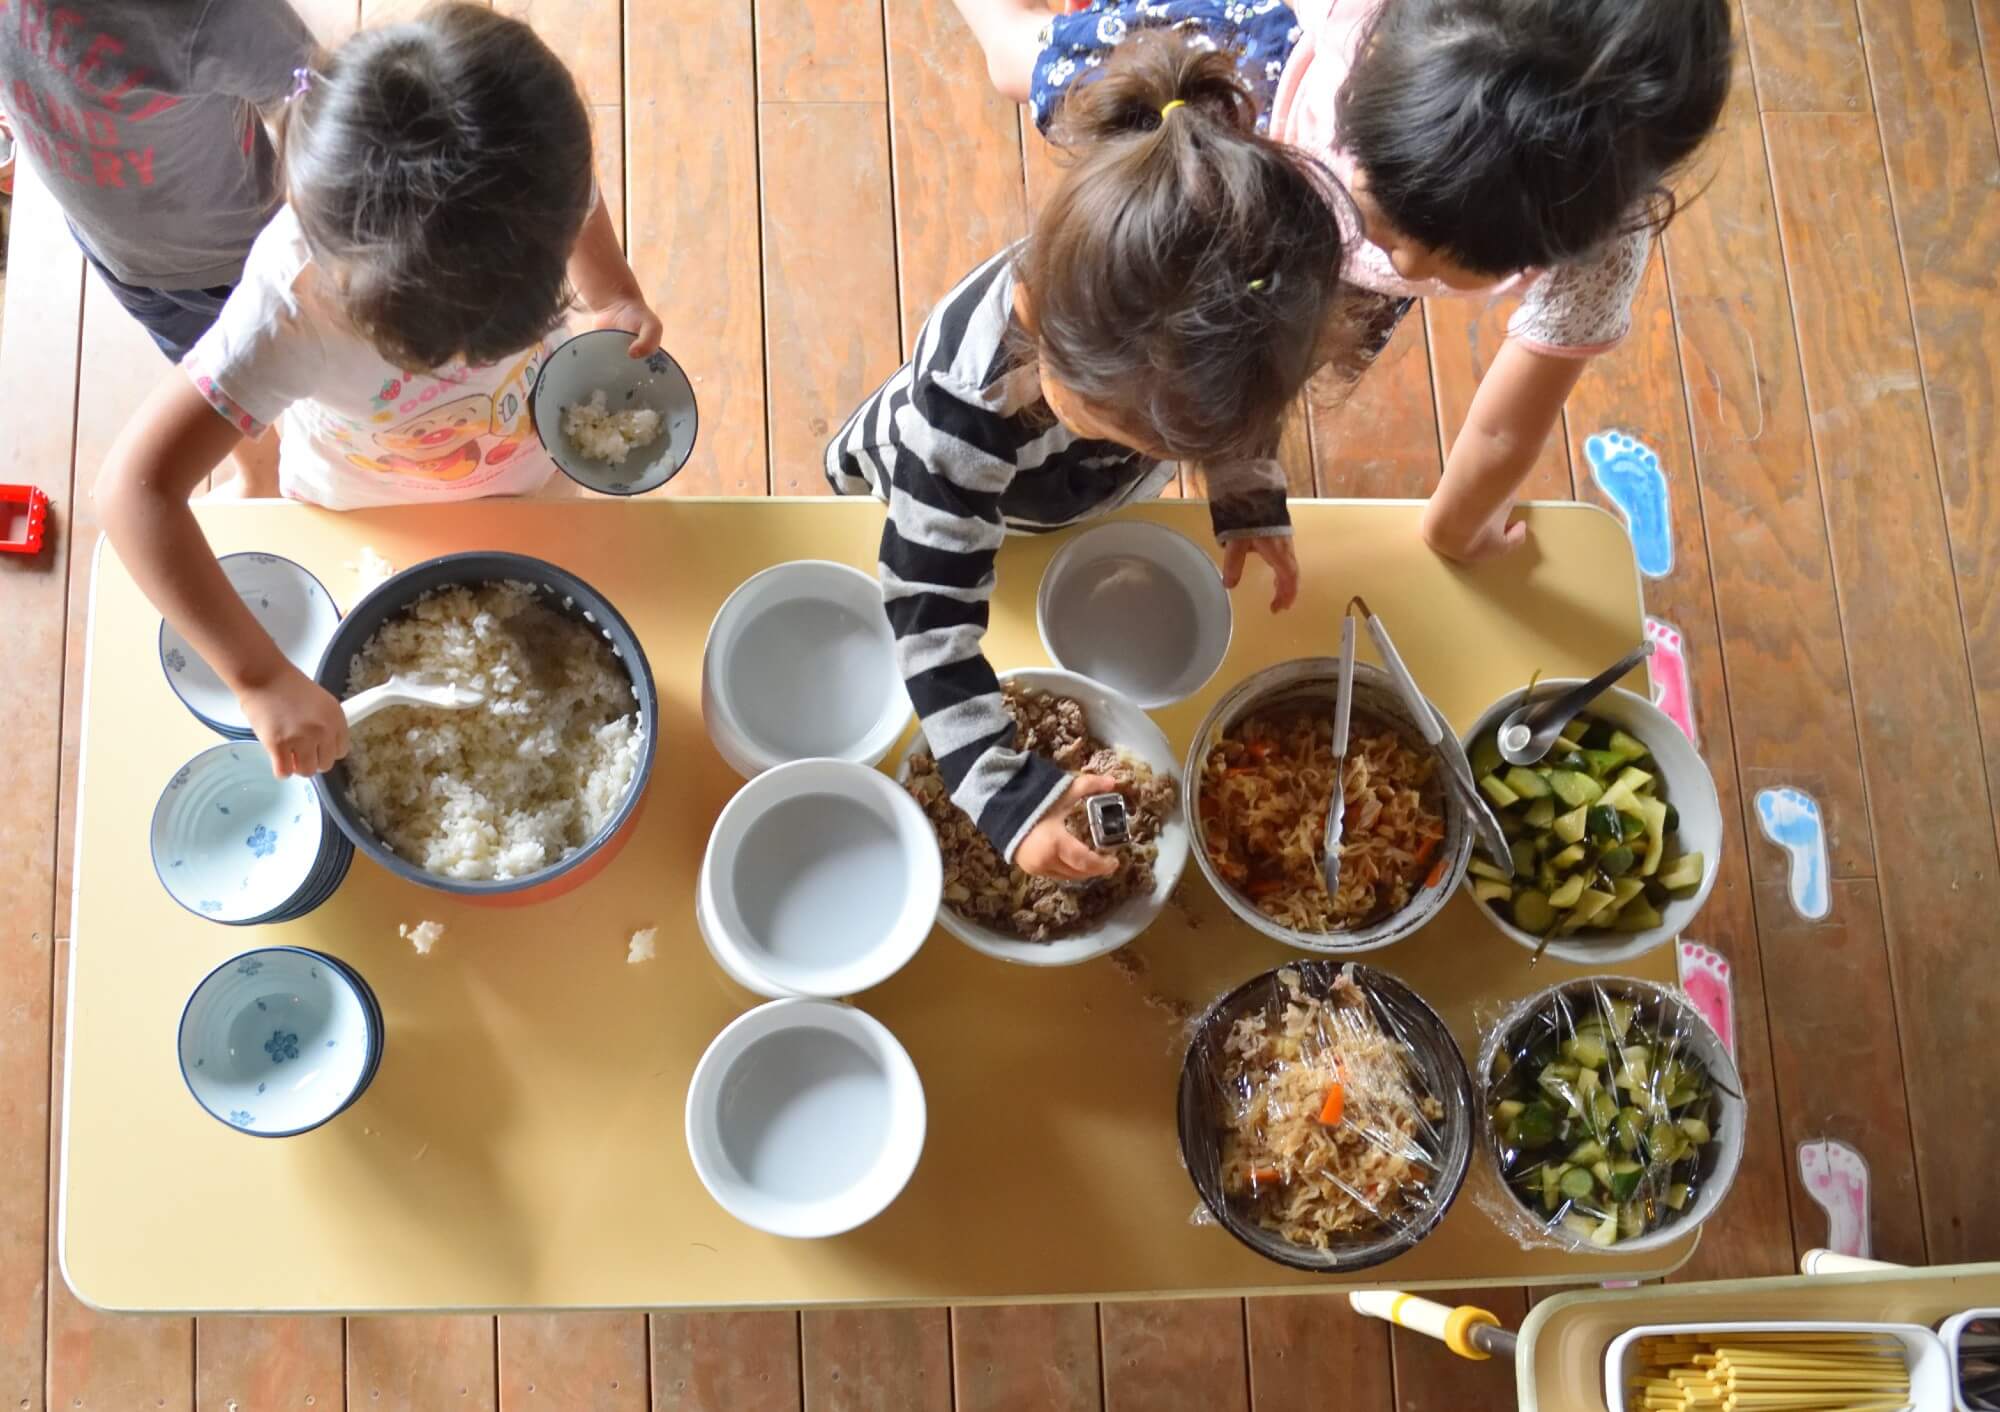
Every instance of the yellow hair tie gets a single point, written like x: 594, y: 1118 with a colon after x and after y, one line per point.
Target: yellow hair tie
x: 1177, y: 103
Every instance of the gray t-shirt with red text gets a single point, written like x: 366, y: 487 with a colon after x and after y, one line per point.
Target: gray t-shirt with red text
x: 141, y: 116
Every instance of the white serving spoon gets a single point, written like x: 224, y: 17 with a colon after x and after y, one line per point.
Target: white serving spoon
x: 408, y: 691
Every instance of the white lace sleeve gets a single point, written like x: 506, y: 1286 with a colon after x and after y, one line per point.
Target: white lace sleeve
x: 1584, y: 308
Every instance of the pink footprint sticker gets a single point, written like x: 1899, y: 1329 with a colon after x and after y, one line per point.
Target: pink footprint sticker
x: 1668, y: 671
x: 1705, y: 978
x: 1836, y: 1178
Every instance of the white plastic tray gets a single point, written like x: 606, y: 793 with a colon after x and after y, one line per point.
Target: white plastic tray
x: 1930, y: 1366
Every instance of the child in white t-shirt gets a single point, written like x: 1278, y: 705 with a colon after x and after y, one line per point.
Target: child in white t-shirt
x: 440, y: 216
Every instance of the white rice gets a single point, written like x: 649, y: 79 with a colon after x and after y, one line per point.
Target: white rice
x: 641, y: 947
x: 603, y: 435
x: 515, y: 784
x: 423, y: 936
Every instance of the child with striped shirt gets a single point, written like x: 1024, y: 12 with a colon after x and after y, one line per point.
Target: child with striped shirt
x: 1169, y: 304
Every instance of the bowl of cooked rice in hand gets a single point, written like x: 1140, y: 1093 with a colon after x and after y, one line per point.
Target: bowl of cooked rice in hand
x: 1326, y: 1115
x: 997, y: 909
x: 1258, y: 782
x: 527, y: 793
x: 613, y: 423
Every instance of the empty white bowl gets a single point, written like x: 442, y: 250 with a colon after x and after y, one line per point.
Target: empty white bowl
x: 230, y: 840
x: 1137, y: 607
x: 800, y: 664
x: 1117, y: 722
x: 821, y: 878
x: 277, y: 1041
x: 287, y: 602
x: 805, y: 1118
x: 601, y: 361
x: 1685, y: 783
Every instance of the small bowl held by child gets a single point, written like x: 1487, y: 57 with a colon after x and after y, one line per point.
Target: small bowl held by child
x: 821, y: 878
x: 277, y: 1041
x: 1616, y: 832
x: 805, y: 1118
x: 1137, y: 607
x: 287, y: 602
x: 800, y: 664
x: 585, y: 439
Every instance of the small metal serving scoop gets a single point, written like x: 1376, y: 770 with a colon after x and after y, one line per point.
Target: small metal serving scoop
x: 1110, y: 820
x: 408, y: 691
x: 1530, y: 730
x: 1336, y: 808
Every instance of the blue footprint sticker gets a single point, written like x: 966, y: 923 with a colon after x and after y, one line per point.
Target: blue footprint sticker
x: 1790, y: 818
x: 1628, y: 471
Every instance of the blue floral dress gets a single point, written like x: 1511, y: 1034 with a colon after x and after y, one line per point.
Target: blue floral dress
x: 1260, y: 33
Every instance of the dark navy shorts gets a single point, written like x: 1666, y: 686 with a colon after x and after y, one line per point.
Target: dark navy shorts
x: 176, y: 318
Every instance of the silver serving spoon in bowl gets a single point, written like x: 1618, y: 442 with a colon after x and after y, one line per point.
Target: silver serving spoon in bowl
x: 1530, y: 730
x: 1336, y: 809
x: 408, y: 691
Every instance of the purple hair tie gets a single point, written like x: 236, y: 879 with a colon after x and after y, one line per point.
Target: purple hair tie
x: 301, y: 81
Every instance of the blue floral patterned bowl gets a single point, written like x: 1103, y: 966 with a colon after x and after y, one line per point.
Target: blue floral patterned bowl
x: 287, y: 602
x: 277, y: 1041
x: 234, y: 843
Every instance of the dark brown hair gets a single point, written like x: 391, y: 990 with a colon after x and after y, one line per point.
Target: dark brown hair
x: 1509, y: 134
x: 441, y: 168
x: 1184, y: 274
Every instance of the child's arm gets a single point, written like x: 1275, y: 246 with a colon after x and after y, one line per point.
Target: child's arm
x: 1247, y: 510
x: 157, y: 462
x: 607, y: 286
x: 1010, y: 32
x: 1518, y: 402
x: 938, y: 549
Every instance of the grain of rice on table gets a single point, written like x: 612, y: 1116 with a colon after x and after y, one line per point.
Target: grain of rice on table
x: 517, y: 783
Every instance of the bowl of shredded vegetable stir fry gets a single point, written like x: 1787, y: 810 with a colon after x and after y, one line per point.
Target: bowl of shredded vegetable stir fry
x: 1257, y: 786
x: 1326, y: 1115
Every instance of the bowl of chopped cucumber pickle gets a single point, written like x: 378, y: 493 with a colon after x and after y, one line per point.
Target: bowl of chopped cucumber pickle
x: 1615, y: 832
x: 1613, y: 1112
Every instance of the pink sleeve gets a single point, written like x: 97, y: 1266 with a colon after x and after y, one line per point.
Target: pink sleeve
x: 1584, y: 308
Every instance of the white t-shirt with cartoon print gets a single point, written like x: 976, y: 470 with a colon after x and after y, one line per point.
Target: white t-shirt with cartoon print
x: 357, y: 430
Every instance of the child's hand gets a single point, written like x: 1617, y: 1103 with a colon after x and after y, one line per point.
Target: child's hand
x: 633, y: 314
x: 297, y: 721
x: 1050, y: 850
x: 1489, y: 541
x: 1275, y: 550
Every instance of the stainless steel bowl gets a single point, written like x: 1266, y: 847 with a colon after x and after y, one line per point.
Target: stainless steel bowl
x: 1315, y: 679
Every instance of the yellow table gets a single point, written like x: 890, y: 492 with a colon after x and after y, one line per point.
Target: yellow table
x: 522, y: 1146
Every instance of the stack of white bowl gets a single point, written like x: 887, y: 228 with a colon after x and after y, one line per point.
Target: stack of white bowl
x: 234, y: 844
x: 287, y: 602
x: 275, y: 1042
x: 822, y: 879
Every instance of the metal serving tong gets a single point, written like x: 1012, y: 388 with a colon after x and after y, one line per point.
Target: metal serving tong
x: 1336, y: 809
x: 1458, y: 769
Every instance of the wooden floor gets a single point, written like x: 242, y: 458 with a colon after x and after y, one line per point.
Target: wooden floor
x: 1815, y: 358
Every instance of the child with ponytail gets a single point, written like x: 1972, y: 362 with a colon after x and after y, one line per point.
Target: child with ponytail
x: 1169, y: 303
x: 1517, y: 147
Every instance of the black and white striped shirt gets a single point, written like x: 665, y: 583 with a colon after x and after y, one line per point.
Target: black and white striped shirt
x: 963, y: 449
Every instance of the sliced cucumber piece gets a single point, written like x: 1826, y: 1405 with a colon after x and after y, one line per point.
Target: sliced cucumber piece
x: 1566, y: 894
x: 1526, y: 783
x: 1497, y: 791
x: 1540, y: 814
x: 1574, y: 787
x: 1532, y: 912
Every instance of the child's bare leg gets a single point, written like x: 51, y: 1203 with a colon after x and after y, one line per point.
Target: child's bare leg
x: 1009, y: 31
x: 256, y: 470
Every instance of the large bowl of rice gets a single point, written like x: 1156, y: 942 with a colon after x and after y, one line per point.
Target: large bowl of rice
x: 527, y: 794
